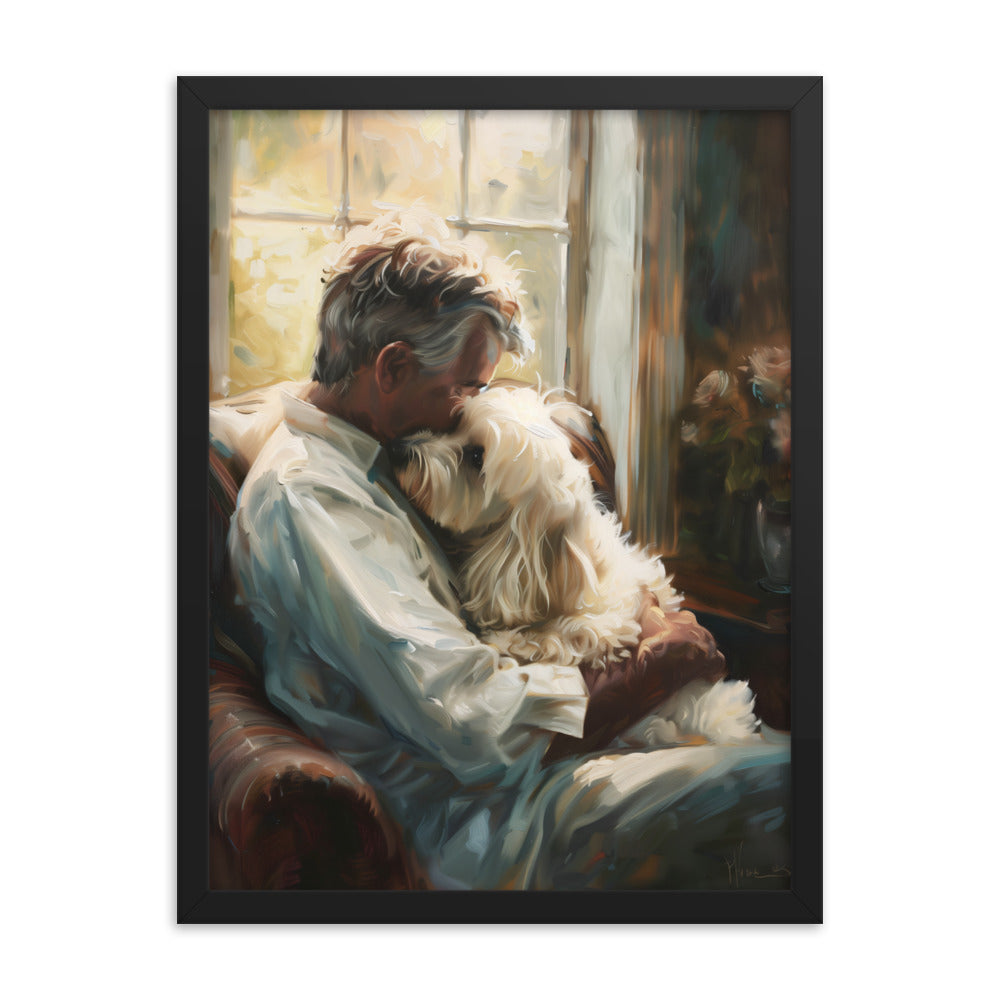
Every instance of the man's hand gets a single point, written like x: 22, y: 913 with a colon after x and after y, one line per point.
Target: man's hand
x: 673, y: 650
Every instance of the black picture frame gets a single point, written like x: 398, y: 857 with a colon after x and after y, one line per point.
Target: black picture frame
x: 196, y: 902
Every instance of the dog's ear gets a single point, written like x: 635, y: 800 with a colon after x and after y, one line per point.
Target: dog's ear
x: 527, y: 572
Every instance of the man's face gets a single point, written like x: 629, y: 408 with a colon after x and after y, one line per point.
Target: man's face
x: 429, y: 400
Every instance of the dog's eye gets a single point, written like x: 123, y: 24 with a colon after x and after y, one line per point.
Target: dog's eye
x: 473, y: 455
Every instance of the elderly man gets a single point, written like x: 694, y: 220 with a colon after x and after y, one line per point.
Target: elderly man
x: 528, y: 776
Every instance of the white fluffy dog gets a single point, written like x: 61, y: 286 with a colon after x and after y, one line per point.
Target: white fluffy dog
x: 549, y: 575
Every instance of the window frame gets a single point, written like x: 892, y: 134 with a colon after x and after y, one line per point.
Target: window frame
x: 556, y: 357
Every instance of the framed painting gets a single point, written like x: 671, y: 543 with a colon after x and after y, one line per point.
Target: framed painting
x: 500, y: 592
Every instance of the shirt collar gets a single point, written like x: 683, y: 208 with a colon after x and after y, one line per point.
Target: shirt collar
x: 301, y: 414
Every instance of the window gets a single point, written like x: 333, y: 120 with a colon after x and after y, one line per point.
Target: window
x: 289, y: 184
x: 601, y: 211
x: 654, y: 252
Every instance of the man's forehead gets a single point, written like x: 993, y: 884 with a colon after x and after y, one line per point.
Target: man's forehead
x: 481, y: 348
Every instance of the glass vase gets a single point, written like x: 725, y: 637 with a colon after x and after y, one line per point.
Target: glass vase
x: 774, y: 534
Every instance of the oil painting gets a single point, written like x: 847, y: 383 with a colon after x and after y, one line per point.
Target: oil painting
x: 501, y: 495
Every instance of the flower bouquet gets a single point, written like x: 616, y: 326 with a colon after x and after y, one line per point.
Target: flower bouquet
x: 736, y: 462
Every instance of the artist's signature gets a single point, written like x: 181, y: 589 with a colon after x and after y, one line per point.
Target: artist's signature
x: 740, y: 872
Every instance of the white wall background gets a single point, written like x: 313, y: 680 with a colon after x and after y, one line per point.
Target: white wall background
x: 87, y: 650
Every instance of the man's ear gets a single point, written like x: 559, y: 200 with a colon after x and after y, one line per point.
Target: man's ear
x: 394, y: 366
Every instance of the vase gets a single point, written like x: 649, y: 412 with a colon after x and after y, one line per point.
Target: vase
x: 774, y: 534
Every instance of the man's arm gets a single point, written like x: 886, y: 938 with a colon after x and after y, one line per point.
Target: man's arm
x: 341, y: 590
x: 673, y: 650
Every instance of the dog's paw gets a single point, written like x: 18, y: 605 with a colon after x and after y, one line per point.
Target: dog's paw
x: 659, y: 732
x: 722, y: 712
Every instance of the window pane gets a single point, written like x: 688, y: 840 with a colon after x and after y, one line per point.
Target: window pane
x: 275, y: 288
x: 287, y: 161
x: 400, y: 156
x: 519, y: 165
x: 540, y: 260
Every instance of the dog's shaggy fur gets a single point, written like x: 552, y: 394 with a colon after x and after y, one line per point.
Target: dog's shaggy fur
x: 549, y: 575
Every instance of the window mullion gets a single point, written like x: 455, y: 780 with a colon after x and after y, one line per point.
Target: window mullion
x: 344, y: 218
x: 221, y: 207
x: 576, y: 375
x: 465, y: 124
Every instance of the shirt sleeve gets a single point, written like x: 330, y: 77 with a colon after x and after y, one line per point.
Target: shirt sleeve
x: 351, y: 580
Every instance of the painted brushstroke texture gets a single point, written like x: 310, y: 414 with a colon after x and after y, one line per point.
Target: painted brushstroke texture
x: 397, y: 157
x: 605, y: 371
x: 220, y: 151
x: 295, y: 180
x: 366, y: 646
x: 667, y: 152
x: 286, y: 162
x: 735, y: 424
x: 519, y: 165
x: 365, y: 649
x: 547, y: 574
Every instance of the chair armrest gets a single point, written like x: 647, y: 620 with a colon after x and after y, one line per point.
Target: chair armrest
x: 286, y: 813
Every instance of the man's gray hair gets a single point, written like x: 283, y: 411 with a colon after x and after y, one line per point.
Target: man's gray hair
x: 397, y: 280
